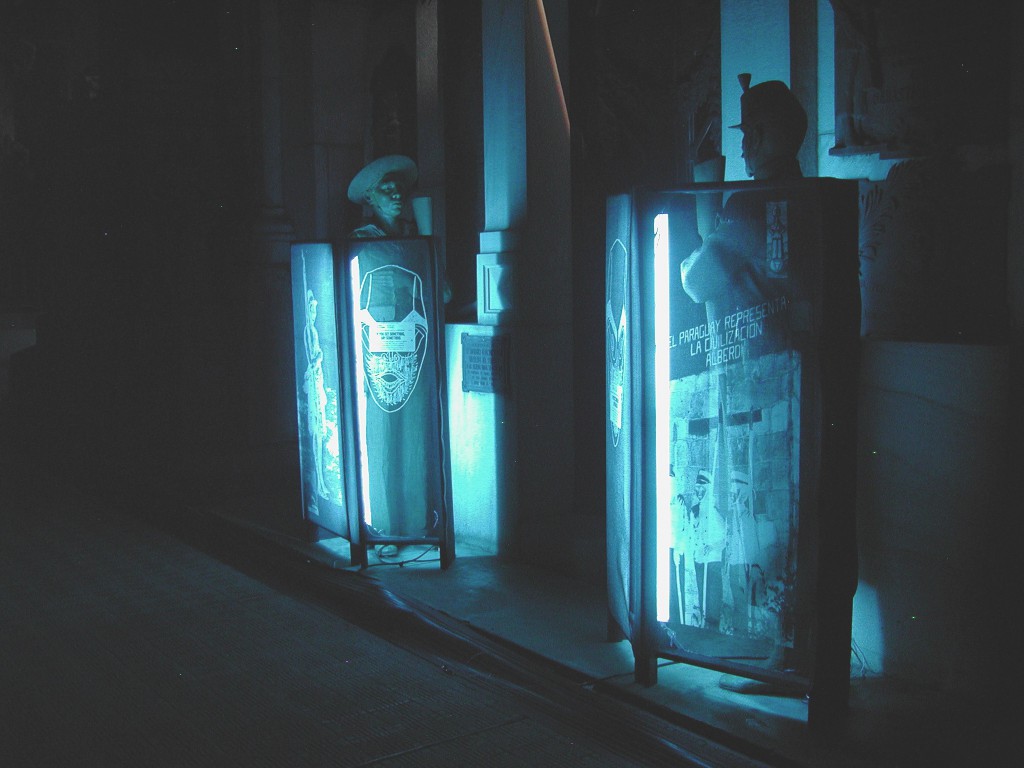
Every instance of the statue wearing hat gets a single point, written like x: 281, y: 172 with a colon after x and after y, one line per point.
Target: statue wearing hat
x: 731, y: 270
x: 391, y: 295
x: 393, y: 314
x: 383, y: 186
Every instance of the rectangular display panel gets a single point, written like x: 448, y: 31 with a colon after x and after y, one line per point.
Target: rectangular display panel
x: 319, y: 393
x: 398, y: 374
x: 733, y: 506
x: 622, y: 427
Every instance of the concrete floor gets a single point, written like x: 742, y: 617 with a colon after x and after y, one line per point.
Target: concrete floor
x: 139, y: 630
x: 142, y: 633
x: 892, y: 724
x: 565, y: 622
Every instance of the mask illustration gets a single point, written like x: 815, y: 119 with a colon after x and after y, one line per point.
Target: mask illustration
x: 393, y: 334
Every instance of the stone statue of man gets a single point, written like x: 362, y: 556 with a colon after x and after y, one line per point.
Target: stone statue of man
x: 773, y: 124
x: 383, y: 185
x: 727, y: 272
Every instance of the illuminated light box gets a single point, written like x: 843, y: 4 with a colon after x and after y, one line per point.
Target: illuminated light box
x: 371, y: 392
x: 326, y: 447
x: 731, y: 375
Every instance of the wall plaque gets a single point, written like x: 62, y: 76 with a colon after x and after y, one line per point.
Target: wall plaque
x: 485, y: 363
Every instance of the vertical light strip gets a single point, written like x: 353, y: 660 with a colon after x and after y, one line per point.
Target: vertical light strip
x: 357, y: 344
x: 661, y: 413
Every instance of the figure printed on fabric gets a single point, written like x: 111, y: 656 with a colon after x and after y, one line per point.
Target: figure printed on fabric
x: 316, y: 393
x: 615, y: 326
x: 706, y: 542
x: 317, y: 386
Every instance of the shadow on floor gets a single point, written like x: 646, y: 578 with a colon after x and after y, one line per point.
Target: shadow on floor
x: 563, y: 624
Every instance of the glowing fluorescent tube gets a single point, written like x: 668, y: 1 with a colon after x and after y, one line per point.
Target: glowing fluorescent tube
x: 661, y: 411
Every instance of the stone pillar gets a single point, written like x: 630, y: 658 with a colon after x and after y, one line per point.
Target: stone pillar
x: 269, y: 370
x: 524, y: 272
x: 1015, y: 262
x: 429, y: 120
x: 803, y: 67
x: 482, y: 425
x: 504, y: 101
x: 543, y: 342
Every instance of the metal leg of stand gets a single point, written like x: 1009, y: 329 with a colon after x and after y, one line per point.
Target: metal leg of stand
x: 447, y: 555
x: 645, y: 670
x: 829, y: 697
x: 359, y: 556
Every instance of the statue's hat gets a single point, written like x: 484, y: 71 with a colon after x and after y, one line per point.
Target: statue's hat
x: 400, y: 165
x: 770, y: 99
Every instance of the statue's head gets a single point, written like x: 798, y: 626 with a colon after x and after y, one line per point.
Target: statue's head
x: 383, y: 185
x: 773, y: 124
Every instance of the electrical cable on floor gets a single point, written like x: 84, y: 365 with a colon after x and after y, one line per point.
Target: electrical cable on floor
x: 865, y: 668
x: 402, y: 563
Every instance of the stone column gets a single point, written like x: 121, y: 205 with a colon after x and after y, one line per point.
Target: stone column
x: 803, y: 67
x: 482, y: 426
x: 524, y: 270
x: 504, y: 103
x: 429, y: 119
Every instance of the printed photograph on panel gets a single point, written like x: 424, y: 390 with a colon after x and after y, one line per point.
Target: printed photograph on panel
x: 734, y: 410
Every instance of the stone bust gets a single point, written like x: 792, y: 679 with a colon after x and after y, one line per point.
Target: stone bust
x: 383, y: 186
x: 729, y: 271
x: 773, y: 124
